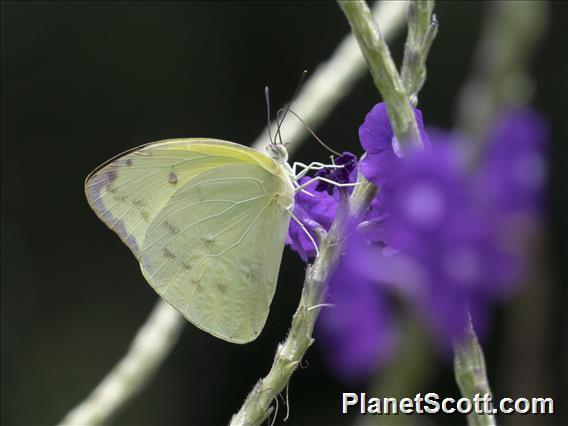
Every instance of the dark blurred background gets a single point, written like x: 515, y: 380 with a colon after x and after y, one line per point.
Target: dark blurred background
x: 83, y: 81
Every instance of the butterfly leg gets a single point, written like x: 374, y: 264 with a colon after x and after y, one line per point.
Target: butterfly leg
x: 311, y: 166
x: 303, y: 228
x: 307, y: 167
x: 322, y: 305
x: 322, y: 179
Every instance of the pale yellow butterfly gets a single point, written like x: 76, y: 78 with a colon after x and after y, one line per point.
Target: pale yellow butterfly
x: 207, y: 220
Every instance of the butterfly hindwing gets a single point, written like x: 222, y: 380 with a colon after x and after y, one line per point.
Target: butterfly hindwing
x: 213, y: 252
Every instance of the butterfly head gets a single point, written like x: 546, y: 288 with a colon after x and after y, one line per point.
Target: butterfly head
x: 278, y: 152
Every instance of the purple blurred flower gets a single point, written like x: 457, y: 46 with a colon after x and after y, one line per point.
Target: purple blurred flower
x: 513, y: 174
x: 440, y: 233
x: 426, y: 194
x: 435, y: 218
x: 423, y: 217
x: 383, y: 153
x: 448, y: 220
x: 357, y: 335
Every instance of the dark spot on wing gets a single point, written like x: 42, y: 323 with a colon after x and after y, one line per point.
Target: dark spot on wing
x: 168, y: 253
x: 196, y: 285
x: 111, y: 175
x: 186, y: 266
x: 221, y: 287
x: 252, y: 275
x: 172, y: 228
x: 172, y: 178
x: 120, y: 162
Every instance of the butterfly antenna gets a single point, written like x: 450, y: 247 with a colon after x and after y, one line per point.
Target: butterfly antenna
x: 287, y: 107
x: 279, y: 120
x: 267, y: 97
x: 314, y: 134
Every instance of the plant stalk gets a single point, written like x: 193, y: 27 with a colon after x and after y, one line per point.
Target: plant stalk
x: 289, y: 353
x: 471, y: 374
x: 422, y: 29
x: 384, y: 72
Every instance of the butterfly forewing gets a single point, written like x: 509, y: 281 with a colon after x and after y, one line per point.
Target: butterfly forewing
x: 128, y: 191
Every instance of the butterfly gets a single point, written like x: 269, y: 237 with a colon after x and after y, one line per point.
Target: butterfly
x: 207, y: 220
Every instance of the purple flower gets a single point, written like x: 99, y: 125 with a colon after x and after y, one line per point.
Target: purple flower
x: 346, y: 174
x: 383, y: 153
x: 314, y: 212
x: 317, y: 211
x: 357, y: 334
x: 513, y: 173
x: 450, y: 222
x: 427, y: 193
x: 436, y: 221
x: 442, y: 233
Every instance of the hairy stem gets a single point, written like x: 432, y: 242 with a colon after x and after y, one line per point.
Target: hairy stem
x: 471, y: 374
x: 289, y: 353
x: 403, y: 375
x: 422, y: 29
x: 384, y: 72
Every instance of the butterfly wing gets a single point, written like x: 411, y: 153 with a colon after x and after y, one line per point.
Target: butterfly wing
x: 214, y: 250
x: 207, y: 220
x: 129, y: 190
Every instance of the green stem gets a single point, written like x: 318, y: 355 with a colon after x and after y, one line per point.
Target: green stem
x: 422, y: 29
x: 508, y: 40
x: 471, y: 374
x: 289, y: 353
x: 384, y: 72
x: 511, y: 32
